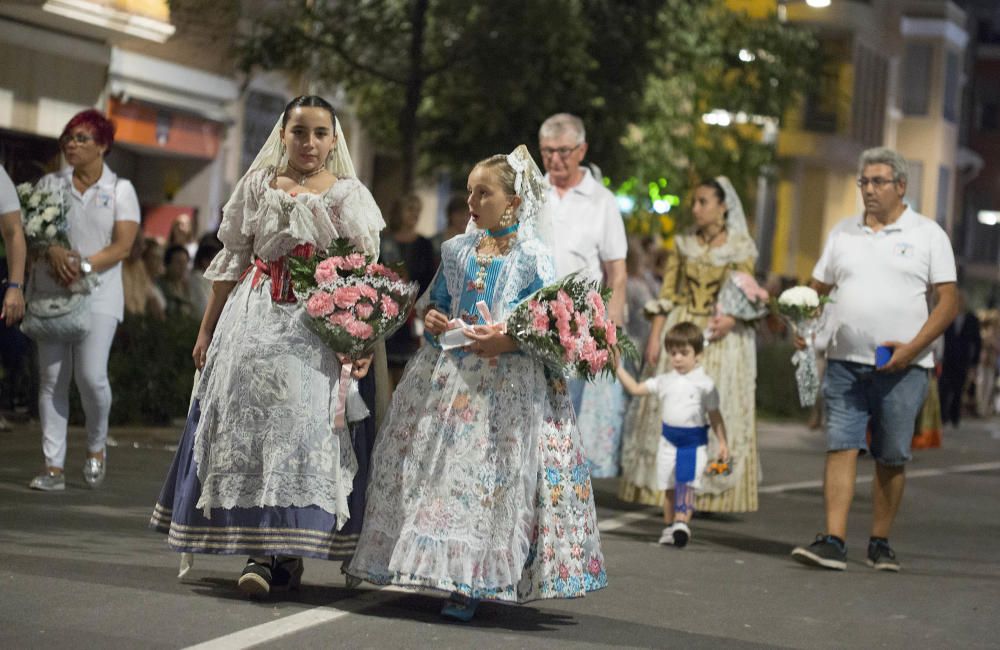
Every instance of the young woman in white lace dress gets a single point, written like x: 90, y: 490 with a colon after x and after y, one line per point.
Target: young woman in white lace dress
x: 260, y: 470
x: 479, y: 485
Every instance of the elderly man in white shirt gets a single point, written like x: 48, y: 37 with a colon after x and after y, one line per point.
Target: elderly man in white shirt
x: 881, y: 264
x: 14, y: 244
x: 589, y: 238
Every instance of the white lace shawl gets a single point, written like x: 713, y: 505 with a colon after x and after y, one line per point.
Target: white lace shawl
x: 268, y: 222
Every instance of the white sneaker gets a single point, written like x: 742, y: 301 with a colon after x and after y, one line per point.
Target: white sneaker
x: 681, y: 534
x: 667, y: 536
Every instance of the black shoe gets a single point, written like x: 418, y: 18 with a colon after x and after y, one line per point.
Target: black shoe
x: 255, y: 581
x: 827, y: 551
x: 286, y: 573
x: 881, y: 557
x: 681, y: 534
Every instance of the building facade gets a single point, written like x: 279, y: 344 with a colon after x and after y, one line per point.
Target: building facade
x: 892, y: 76
x: 188, y: 123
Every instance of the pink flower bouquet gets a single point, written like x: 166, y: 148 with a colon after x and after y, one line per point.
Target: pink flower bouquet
x: 566, y: 325
x: 350, y: 301
x: 741, y: 297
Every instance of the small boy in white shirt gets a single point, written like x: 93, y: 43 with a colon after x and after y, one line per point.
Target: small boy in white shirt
x: 688, y: 402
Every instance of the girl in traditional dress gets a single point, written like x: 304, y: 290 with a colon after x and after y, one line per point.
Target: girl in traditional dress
x: 479, y: 484
x: 260, y: 469
x: 694, y: 274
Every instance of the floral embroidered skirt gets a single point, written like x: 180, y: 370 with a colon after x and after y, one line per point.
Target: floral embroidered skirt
x: 479, y: 484
x: 600, y: 418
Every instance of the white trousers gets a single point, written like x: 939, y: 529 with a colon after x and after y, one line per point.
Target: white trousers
x: 87, y: 363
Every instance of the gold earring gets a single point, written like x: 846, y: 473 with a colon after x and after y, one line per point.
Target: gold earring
x: 507, y: 218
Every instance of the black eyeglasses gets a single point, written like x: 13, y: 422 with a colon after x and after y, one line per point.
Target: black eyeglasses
x: 876, y: 183
x: 79, y: 138
x: 562, y: 152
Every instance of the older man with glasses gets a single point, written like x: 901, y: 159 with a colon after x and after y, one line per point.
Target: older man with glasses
x: 590, y: 239
x: 881, y: 264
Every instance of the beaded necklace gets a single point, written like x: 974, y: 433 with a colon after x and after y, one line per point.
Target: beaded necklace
x: 484, y: 260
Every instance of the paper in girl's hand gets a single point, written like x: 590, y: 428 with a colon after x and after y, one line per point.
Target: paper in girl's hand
x: 454, y: 336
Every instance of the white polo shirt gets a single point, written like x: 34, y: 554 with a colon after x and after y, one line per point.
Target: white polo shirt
x: 882, y: 280
x: 685, y: 400
x: 8, y: 194
x: 92, y: 216
x: 587, y: 228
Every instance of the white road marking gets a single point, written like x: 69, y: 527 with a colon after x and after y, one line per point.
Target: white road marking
x: 273, y: 630
x: 614, y: 523
x: 916, y: 473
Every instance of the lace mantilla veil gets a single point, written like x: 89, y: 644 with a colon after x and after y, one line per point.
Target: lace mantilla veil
x: 273, y: 154
x: 531, y: 186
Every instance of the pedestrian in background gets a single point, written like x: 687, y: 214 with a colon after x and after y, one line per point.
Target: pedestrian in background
x: 881, y: 263
x: 12, y: 275
x: 182, y: 234
x: 962, y: 347
x: 986, y: 365
x: 413, y: 254
x: 717, y: 245
x: 142, y: 297
x: 591, y: 242
x: 103, y: 215
x: 640, y: 295
x: 456, y: 220
x: 201, y: 287
x: 175, y: 283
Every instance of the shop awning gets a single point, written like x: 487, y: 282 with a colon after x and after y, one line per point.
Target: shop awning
x: 137, y: 76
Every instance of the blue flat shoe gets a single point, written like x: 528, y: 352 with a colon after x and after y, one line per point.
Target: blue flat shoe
x: 460, y: 608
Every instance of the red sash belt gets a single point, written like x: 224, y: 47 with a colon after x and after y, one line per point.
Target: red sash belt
x: 277, y: 270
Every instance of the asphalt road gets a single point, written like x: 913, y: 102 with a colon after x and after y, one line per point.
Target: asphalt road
x: 81, y: 570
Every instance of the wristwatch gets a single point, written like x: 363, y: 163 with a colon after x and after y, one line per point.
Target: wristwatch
x: 85, y: 266
x: 15, y: 285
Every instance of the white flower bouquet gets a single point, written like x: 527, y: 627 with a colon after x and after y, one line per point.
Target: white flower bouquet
x: 44, y: 216
x: 801, y: 306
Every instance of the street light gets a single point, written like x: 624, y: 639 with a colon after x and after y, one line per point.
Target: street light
x: 783, y: 6
x: 988, y: 217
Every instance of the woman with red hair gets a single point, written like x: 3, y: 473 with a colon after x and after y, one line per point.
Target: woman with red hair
x: 103, y: 215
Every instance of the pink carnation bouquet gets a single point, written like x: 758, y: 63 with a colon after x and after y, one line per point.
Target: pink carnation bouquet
x: 566, y: 325
x: 741, y: 297
x: 350, y: 300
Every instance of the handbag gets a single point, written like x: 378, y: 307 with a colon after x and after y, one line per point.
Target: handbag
x: 57, y: 318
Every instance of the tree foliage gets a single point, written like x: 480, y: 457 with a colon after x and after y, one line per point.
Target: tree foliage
x: 446, y: 82
x: 700, y: 69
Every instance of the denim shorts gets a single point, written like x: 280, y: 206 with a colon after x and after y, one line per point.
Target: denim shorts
x: 855, y: 393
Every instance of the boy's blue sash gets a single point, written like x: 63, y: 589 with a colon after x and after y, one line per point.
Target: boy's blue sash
x: 687, y: 440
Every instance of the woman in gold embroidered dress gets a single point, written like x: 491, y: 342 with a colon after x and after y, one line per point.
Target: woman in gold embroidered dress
x: 695, y: 271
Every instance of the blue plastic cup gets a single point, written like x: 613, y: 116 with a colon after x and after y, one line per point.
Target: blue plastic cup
x: 882, y: 355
